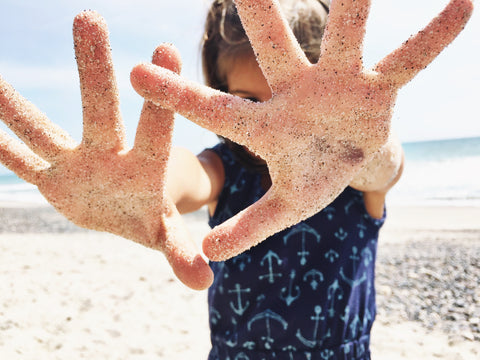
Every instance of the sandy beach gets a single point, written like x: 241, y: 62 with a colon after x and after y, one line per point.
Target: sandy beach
x: 69, y: 293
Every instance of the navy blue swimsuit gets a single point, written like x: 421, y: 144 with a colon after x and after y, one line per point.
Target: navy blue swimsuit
x: 305, y: 293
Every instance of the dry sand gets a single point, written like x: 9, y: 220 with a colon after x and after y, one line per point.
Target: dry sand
x: 88, y: 295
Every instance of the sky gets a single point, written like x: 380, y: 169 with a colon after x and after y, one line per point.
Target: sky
x: 37, y: 58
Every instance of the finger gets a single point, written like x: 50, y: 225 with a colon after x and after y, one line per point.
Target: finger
x: 222, y: 113
x: 342, y: 43
x: 20, y: 159
x: 102, y: 123
x: 184, y: 257
x: 415, y: 54
x: 155, y: 127
x: 31, y: 125
x: 262, y: 219
x: 275, y: 46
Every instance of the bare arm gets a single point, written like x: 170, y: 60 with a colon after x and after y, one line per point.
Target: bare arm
x: 194, y: 181
x: 383, y: 171
x: 379, y: 175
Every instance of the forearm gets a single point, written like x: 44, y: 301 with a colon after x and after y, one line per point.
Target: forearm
x: 384, y: 170
x: 191, y: 180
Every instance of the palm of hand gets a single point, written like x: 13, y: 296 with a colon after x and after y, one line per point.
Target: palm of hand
x: 99, y: 184
x: 118, y: 188
x: 324, y: 121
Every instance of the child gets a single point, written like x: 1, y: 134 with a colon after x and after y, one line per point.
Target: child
x: 306, y: 292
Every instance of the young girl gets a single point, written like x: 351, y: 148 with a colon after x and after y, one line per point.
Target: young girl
x: 306, y: 292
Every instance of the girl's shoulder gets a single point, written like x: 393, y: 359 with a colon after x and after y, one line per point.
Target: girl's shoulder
x: 223, y: 153
x: 213, y: 163
x: 241, y: 186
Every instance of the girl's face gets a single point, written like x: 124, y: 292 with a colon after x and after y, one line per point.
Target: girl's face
x: 245, y: 79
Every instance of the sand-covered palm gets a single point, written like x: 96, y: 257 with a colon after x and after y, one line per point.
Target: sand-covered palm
x: 325, y: 120
x: 99, y: 183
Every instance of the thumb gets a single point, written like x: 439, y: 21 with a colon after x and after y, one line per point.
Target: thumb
x: 184, y: 256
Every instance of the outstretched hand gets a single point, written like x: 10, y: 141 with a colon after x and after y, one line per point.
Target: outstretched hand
x: 322, y: 125
x: 99, y: 184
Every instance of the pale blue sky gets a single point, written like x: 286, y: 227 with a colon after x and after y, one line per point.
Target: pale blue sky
x: 36, y: 56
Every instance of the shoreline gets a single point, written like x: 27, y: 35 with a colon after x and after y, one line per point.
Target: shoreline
x: 71, y: 293
x: 400, y: 218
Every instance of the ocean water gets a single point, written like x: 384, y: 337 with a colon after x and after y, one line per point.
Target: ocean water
x: 15, y: 190
x: 440, y: 172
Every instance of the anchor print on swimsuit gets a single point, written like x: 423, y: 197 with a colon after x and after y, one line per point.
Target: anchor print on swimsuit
x: 239, y: 308
x: 306, y: 232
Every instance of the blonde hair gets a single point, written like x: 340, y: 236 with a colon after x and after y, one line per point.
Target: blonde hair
x: 224, y: 38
